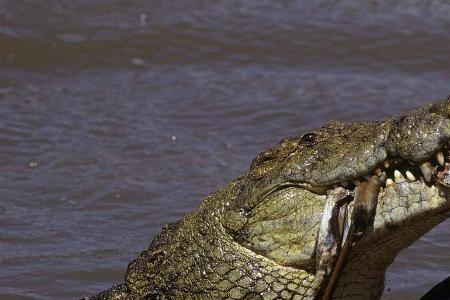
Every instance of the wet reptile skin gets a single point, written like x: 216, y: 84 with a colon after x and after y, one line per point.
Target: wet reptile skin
x: 256, y: 237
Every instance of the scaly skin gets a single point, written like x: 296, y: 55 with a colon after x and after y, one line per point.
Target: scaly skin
x: 256, y: 237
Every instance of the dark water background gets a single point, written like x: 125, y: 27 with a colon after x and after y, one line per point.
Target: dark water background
x: 119, y: 116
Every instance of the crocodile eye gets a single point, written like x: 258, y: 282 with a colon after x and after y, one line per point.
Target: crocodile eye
x: 309, y: 138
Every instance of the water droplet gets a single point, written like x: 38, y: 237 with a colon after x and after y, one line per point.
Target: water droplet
x: 143, y: 19
x: 137, y: 62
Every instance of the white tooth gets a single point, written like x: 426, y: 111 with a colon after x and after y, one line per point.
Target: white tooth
x: 427, y: 170
x: 398, y: 176
x: 410, y: 176
x: 389, y: 182
x: 383, y: 176
x: 440, y: 158
x: 386, y: 164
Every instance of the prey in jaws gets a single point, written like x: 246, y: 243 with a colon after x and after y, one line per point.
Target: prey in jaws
x: 319, y: 216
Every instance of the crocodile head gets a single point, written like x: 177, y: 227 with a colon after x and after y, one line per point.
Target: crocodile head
x: 319, y: 216
x: 302, y: 202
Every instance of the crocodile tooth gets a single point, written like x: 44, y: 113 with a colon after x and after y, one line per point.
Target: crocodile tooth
x: 389, y: 182
x: 427, y: 170
x: 383, y: 176
x: 386, y: 164
x: 398, y: 177
x: 440, y: 158
x: 410, y: 176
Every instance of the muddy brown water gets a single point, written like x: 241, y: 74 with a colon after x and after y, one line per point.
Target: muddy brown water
x: 117, y: 117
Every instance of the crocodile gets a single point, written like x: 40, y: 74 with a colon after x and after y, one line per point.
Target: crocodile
x: 320, y: 215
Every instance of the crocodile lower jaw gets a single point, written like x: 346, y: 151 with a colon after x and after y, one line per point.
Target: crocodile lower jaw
x: 383, y: 209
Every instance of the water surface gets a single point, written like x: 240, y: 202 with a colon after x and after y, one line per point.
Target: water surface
x: 117, y: 117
